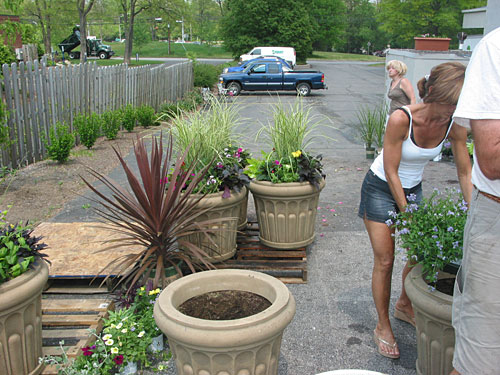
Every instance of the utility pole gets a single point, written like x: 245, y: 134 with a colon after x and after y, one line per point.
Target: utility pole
x: 168, y: 26
x: 182, y: 28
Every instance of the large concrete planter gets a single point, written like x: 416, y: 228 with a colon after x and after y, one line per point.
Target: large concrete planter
x: 242, y: 221
x: 431, y: 44
x: 435, y: 334
x: 286, y: 213
x: 21, y: 322
x: 244, y: 346
x: 224, y: 234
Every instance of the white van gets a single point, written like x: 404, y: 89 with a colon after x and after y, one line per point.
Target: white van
x: 286, y: 53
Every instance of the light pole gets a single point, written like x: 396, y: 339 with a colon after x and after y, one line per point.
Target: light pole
x: 182, y: 28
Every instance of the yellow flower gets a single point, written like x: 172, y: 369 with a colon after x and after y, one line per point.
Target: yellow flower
x: 296, y: 154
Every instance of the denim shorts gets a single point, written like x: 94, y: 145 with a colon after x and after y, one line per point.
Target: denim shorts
x: 377, y: 201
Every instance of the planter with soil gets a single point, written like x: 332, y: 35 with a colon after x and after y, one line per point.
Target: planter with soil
x: 225, y: 321
x: 435, y: 334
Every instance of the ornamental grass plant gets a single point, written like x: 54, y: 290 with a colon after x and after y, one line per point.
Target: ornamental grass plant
x: 217, y: 145
x: 290, y: 133
x: 431, y: 233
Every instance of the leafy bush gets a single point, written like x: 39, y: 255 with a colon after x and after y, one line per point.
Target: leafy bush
x: 18, y: 249
x: 431, y: 233
x: 145, y: 115
x: 110, y: 124
x: 7, y: 56
x: 129, y: 117
x: 205, y: 75
x: 88, y: 128
x: 61, y: 141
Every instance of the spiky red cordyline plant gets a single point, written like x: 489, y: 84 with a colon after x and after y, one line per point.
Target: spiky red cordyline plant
x: 154, y: 215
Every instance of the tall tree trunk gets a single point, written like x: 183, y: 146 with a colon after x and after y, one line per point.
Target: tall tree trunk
x: 82, y: 12
x: 130, y: 11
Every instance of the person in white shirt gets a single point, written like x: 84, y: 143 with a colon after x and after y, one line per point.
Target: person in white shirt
x: 414, y: 135
x: 476, y: 298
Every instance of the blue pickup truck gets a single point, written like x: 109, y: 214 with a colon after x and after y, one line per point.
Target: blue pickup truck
x: 271, y: 76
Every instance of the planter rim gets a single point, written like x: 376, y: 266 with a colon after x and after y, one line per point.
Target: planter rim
x: 34, y: 276
x: 442, y: 301
x: 209, y: 199
x: 285, y: 189
x: 189, y: 329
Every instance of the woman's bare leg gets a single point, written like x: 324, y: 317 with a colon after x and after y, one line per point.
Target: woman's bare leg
x: 383, y: 250
x: 403, y: 303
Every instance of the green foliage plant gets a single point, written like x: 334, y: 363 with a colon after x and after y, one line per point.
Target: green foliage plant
x: 88, y: 128
x: 129, y: 117
x: 110, y: 124
x: 19, y: 249
x: 289, y: 135
x: 60, y: 143
x: 7, y: 55
x: 380, y: 114
x: 145, y: 115
x: 205, y: 75
x: 370, y: 121
x: 153, y: 214
x: 431, y: 233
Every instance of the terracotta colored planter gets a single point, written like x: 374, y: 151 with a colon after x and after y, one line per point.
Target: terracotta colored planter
x: 21, y: 322
x: 249, y: 345
x: 286, y: 213
x: 225, y: 238
x: 432, y: 44
x: 435, y: 334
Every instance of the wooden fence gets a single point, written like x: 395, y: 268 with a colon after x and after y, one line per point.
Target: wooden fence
x: 36, y: 97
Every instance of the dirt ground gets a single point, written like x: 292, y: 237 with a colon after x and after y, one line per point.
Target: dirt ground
x: 39, y: 191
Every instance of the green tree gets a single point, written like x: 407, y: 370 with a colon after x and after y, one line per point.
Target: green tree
x: 362, y: 26
x: 403, y: 20
x: 267, y: 22
x: 329, y: 24
x: 84, y: 7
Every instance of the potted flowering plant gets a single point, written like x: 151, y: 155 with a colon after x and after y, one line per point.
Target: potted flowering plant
x: 431, y: 236
x: 287, y: 181
x: 223, y: 189
x: 427, y: 42
x: 23, y: 274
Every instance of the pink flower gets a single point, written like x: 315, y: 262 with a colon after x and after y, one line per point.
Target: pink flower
x: 277, y: 162
x: 118, y: 359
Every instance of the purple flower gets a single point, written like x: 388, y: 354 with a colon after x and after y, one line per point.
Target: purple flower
x: 450, y: 229
x: 277, y: 162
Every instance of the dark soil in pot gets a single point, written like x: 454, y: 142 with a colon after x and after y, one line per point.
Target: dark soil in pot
x: 446, y: 286
x: 224, y: 305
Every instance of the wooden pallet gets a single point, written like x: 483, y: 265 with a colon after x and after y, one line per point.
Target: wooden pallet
x: 290, y: 266
x: 69, y: 319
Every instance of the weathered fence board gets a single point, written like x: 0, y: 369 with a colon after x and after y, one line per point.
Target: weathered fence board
x: 36, y: 97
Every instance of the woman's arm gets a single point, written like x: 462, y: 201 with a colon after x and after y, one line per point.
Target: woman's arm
x: 396, y: 133
x: 458, y: 138
x: 407, y: 87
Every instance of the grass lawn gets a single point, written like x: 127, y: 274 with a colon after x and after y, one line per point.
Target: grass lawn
x: 345, y: 56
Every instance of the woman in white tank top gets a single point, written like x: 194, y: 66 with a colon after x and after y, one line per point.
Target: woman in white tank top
x: 414, y: 136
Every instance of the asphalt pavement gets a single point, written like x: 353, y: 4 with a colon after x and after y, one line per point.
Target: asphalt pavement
x: 335, y: 318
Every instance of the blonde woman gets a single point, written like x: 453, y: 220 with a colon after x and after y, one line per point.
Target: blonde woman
x: 400, y: 90
x: 415, y: 135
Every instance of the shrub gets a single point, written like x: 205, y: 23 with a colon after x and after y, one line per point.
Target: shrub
x: 88, y: 128
x: 145, y: 115
x: 129, y: 117
x: 7, y: 56
x: 205, y: 75
x: 60, y: 143
x: 110, y: 124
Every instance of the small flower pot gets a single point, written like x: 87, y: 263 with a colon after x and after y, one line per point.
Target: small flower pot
x: 370, y: 152
x: 432, y: 44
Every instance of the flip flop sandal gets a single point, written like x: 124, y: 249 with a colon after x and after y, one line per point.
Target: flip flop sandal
x: 379, y: 340
x: 401, y: 315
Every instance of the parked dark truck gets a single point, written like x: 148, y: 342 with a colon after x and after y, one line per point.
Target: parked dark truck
x: 270, y: 76
x: 94, y: 46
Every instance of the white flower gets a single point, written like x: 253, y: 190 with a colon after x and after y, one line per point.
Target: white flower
x: 109, y: 342
x: 114, y: 350
x: 141, y: 334
x: 124, y: 330
x: 119, y: 325
x: 107, y: 337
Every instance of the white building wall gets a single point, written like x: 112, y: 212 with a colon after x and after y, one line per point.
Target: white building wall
x: 492, y: 16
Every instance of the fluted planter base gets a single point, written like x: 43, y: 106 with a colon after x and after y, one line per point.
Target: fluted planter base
x: 286, y: 213
x: 242, y: 221
x: 224, y: 234
x: 21, y: 322
x: 243, y: 346
x: 435, y: 334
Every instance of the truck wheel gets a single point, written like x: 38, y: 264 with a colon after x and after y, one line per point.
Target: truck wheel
x: 303, y: 89
x: 234, y: 88
x: 72, y: 55
x: 103, y: 55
